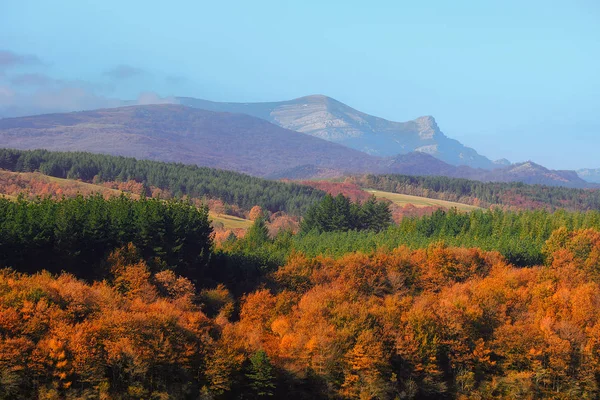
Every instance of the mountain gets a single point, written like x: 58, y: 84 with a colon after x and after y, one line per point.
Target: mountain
x: 589, y: 174
x: 237, y: 142
x: 329, y: 119
x: 532, y: 173
x: 503, y: 162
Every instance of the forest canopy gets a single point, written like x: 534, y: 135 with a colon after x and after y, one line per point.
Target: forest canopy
x: 180, y: 179
x: 130, y: 297
x: 516, y: 195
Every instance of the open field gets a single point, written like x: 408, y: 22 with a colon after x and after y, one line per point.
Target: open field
x: 230, y: 222
x: 403, y: 199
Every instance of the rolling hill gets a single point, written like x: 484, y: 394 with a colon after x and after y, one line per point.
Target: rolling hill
x: 32, y: 184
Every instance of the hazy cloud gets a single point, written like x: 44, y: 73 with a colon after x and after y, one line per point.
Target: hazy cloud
x: 72, y: 98
x: 65, y: 97
x: 123, y: 72
x: 175, y: 80
x: 10, y: 59
x: 7, y: 96
x: 146, y: 98
x: 31, y: 93
x: 32, y: 80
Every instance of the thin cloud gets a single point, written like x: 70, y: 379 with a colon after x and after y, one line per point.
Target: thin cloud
x: 175, y: 80
x: 7, y: 96
x: 10, y: 59
x: 147, y: 98
x: 63, y: 97
x: 123, y: 72
x: 32, y: 80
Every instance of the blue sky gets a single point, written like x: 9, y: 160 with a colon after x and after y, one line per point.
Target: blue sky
x: 514, y: 79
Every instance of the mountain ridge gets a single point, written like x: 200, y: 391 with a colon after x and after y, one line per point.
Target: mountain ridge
x: 591, y: 175
x: 234, y: 141
x: 330, y: 119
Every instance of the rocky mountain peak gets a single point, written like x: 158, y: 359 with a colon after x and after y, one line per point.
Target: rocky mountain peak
x: 327, y: 118
x: 502, y: 161
x: 428, y: 128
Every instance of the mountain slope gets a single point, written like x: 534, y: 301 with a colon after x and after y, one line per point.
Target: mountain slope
x: 176, y: 133
x: 237, y: 142
x: 332, y: 120
x: 532, y: 173
x: 589, y: 174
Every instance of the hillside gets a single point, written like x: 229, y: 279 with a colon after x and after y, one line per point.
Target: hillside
x: 513, y: 195
x: 236, y: 142
x: 176, y: 133
x: 33, y: 184
x: 590, y: 174
x: 329, y: 119
x: 235, y: 190
x: 419, y: 201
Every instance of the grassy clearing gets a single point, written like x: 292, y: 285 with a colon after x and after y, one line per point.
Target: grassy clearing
x: 230, y: 222
x: 403, y: 199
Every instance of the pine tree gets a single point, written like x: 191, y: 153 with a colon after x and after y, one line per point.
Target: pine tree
x: 260, y: 375
x: 258, y: 233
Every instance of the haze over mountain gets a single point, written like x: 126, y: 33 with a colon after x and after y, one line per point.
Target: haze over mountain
x: 329, y: 119
x: 236, y: 142
x: 589, y: 174
x: 176, y: 133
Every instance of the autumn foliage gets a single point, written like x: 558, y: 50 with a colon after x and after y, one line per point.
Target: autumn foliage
x: 350, y: 190
x: 137, y: 336
x: 431, y: 323
x: 32, y: 184
x: 434, y: 323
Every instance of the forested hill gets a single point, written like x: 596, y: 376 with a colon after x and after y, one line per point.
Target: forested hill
x: 198, y: 182
x: 514, y: 195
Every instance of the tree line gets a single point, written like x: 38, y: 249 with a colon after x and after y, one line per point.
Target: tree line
x: 518, y: 236
x: 485, y: 194
x: 76, y: 234
x: 179, y: 179
x: 340, y: 214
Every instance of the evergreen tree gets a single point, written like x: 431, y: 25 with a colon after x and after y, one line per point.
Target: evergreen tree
x: 257, y: 234
x: 335, y: 214
x: 178, y: 179
x: 260, y: 375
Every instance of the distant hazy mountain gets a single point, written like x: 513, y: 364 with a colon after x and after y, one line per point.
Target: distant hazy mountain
x: 329, y: 119
x: 236, y: 142
x: 532, y: 173
x: 590, y: 174
x: 503, y: 162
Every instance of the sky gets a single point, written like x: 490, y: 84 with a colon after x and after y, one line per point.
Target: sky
x: 512, y: 79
